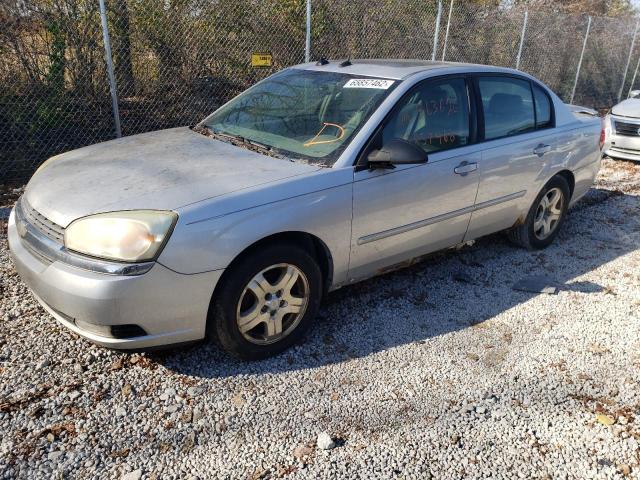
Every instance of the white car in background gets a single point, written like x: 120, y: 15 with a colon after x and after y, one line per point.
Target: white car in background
x: 622, y: 129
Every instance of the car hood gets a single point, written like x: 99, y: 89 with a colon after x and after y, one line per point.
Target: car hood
x: 161, y: 170
x: 628, y: 108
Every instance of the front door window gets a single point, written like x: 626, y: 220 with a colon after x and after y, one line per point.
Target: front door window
x: 435, y: 117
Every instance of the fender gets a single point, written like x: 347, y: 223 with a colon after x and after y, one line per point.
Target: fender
x: 214, y: 234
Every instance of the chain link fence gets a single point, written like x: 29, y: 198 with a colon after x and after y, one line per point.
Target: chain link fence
x: 173, y: 62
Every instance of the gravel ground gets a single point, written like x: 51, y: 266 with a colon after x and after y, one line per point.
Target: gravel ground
x: 441, y: 370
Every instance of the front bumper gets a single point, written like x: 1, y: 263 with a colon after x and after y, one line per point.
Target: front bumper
x: 623, y: 147
x: 170, y: 307
x: 622, y: 153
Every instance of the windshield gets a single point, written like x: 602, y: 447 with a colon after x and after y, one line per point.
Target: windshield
x: 302, y: 114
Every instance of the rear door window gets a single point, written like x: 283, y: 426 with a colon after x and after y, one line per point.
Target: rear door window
x: 507, y: 106
x: 543, y: 108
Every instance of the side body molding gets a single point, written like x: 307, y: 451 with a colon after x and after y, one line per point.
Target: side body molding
x: 430, y: 221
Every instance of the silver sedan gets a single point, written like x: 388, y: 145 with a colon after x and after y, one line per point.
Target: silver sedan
x: 319, y: 176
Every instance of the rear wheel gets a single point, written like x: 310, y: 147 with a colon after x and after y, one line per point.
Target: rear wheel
x: 545, y: 217
x: 267, y: 301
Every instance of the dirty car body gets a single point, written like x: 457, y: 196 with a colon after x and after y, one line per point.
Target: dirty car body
x: 622, y: 130
x: 491, y: 138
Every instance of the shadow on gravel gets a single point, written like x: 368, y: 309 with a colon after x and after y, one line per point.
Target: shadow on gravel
x: 448, y: 291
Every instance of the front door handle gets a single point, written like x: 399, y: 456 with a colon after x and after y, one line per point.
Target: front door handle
x: 541, y: 149
x: 465, y: 167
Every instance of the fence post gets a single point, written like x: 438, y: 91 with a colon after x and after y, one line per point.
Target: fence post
x: 633, y: 80
x: 437, y: 32
x: 524, y: 31
x: 626, y: 68
x: 112, y: 77
x: 307, y: 44
x: 584, y: 46
x: 446, y: 35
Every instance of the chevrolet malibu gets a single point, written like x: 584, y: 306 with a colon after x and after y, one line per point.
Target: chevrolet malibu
x: 319, y: 176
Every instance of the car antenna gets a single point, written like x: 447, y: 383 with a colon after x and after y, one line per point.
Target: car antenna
x: 322, y: 61
x: 346, y: 63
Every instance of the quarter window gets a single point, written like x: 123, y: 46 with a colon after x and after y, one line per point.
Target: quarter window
x: 543, y: 107
x: 507, y: 105
x: 434, y: 116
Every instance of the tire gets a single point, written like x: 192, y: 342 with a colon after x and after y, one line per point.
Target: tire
x: 245, y: 298
x: 531, y: 233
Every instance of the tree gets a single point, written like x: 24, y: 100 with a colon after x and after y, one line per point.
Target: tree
x: 120, y: 27
x: 610, y: 8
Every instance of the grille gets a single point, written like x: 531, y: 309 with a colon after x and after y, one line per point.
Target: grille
x: 52, y: 230
x: 627, y: 129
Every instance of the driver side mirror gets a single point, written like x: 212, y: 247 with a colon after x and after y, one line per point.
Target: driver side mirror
x: 396, y: 152
x: 634, y: 94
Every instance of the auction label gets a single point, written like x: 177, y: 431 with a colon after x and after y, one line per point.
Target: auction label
x: 369, y: 83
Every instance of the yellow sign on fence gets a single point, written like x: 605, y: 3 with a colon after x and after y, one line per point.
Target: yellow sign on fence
x: 261, y: 59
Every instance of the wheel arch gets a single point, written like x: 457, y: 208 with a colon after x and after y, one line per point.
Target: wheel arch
x: 313, y: 244
x: 570, y: 178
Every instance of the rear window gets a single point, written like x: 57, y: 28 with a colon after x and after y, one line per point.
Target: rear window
x: 507, y: 105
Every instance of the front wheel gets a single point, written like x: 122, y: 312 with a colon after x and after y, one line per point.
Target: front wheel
x: 267, y: 301
x: 545, y: 217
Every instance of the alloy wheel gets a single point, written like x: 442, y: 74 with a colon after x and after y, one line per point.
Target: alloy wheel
x: 272, y: 304
x: 548, y: 213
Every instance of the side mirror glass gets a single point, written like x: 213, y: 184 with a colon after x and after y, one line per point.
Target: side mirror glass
x: 396, y: 152
x: 634, y: 94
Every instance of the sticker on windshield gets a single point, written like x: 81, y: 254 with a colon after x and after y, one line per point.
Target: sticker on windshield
x: 369, y: 83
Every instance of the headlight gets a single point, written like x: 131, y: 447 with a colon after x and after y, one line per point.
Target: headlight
x: 129, y: 236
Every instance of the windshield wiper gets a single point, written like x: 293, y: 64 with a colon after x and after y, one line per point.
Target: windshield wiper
x: 210, y: 132
x: 238, y: 141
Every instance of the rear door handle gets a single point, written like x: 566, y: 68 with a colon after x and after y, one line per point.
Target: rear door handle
x: 465, y: 167
x: 541, y: 149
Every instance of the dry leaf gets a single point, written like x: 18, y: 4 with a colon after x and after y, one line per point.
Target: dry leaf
x: 302, y: 451
x: 624, y: 469
x: 117, y: 365
x: 598, y: 349
x: 120, y: 453
x: 605, y: 419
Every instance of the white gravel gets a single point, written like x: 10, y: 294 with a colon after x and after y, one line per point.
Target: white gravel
x: 441, y: 370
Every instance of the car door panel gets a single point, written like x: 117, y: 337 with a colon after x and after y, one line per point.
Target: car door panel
x: 519, y: 147
x: 410, y: 211
x: 509, y: 170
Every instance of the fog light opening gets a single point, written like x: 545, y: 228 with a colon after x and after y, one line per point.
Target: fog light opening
x: 128, y: 330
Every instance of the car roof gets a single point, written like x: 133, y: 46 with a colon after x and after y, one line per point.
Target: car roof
x: 397, y: 69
